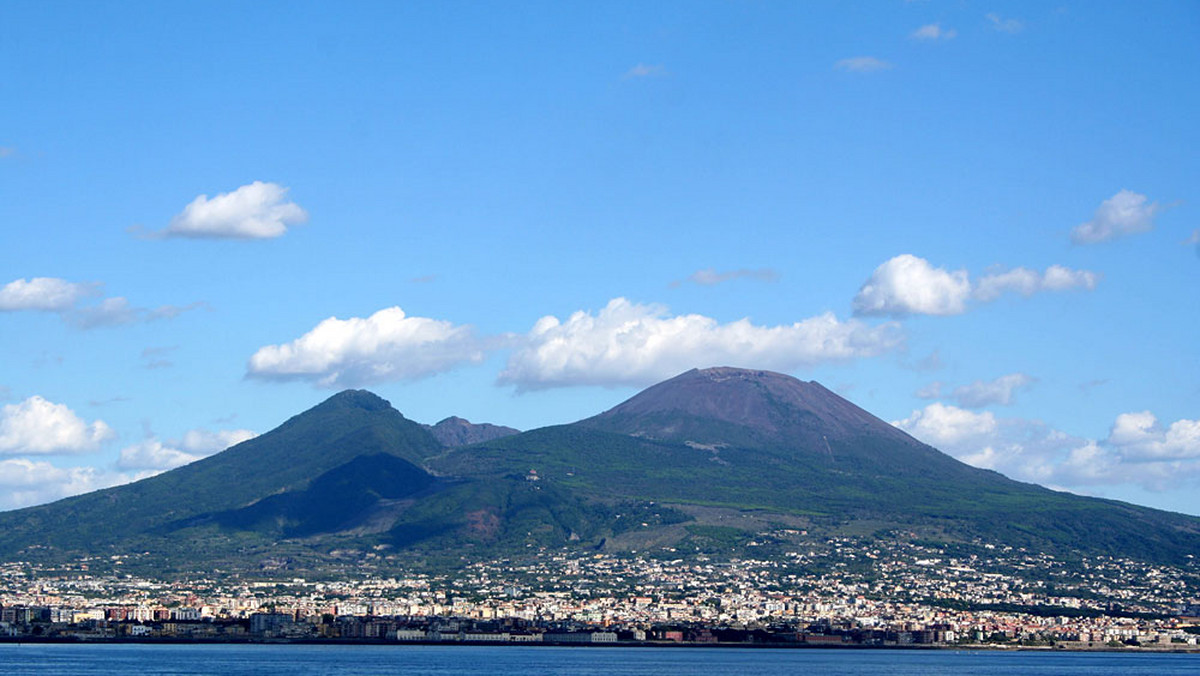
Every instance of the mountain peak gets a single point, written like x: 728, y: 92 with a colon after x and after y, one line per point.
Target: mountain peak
x: 769, y: 404
x: 455, y: 431
x: 368, y: 401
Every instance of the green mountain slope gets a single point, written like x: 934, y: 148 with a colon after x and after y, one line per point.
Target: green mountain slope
x: 344, y: 427
x: 353, y: 473
x: 337, y: 500
x: 765, y: 441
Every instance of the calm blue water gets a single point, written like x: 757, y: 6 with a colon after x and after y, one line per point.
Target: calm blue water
x: 293, y: 660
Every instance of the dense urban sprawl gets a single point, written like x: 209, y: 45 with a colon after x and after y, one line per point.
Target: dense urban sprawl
x: 845, y: 592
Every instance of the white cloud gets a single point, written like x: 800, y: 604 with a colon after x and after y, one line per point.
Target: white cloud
x: 25, y: 482
x: 48, y: 294
x: 999, y: 391
x: 155, y: 456
x: 645, y: 70
x: 632, y: 344
x: 206, y: 442
x: 933, y: 31
x: 1061, y: 278
x: 1021, y: 280
x: 386, y: 346
x: 862, y: 64
x: 254, y: 211
x: 1028, y: 282
x: 908, y: 285
x: 1137, y: 452
x: 37, y: 426
x: 943, y: 425
x: 1138, y: 436
x: 152, y: 454
x: 1125, y: 213
x: 1005, y: 25
x: 711, y: 277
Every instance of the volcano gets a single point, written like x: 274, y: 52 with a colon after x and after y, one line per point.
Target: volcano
x: 711, y: 444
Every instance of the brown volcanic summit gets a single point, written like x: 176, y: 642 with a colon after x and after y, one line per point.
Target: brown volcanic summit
x: 765, y: 405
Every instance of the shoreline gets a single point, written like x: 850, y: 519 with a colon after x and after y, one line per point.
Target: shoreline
x: 91, y: 641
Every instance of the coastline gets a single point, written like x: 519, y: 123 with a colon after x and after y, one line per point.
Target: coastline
x: 676, y: 645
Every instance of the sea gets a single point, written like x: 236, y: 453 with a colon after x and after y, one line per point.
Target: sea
x: 421, y: 660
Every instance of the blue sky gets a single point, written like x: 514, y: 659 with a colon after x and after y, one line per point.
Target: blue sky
x: 977, y: 220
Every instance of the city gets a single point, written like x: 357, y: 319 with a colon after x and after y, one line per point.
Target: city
x: 843, y: 592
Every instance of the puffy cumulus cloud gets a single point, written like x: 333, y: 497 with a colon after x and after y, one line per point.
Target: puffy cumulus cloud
x: 862, y: 64
x: 633, y: 344
x: 987, y: 393
x: 908, y: 285
x: 48, y: 294
x: 1139, y: 451
x: 1139, y: 436
x: 153, y: 456
x: 712, y: 277
x: 1028, y: 282
x: 1125, y: 213
x: 933, y: 32
x: 386, y: 346
x: 37, y: 426
x: 25, y: 482
x: 941, y: 425
x: 255, y: 211
x: 1021, y: 449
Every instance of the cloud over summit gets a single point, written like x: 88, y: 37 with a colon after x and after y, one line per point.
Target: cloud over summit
x: 628, y: 343
x: 387, y: 346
